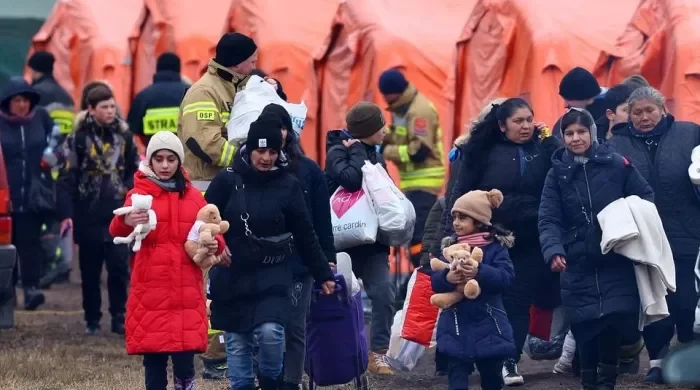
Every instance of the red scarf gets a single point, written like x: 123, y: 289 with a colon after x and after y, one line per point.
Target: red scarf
x: 476, y: 239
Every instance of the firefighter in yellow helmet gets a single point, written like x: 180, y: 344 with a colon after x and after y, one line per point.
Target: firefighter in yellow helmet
x: 414, y: 144
x: 201, y: 127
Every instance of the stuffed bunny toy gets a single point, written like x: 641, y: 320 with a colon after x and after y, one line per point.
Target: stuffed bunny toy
x: 138, y: 202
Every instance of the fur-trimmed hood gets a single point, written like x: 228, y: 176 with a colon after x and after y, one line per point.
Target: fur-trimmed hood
x: 82, y: 115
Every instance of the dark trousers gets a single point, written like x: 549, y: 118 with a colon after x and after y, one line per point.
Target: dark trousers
x: 422, y: 202
x: 92, y: 256
x: 603, y: 348
x: 517, y: 300
x: 156, y: 368
x: 26, y: 234
x: 659, y: 334
x: 489, y: 371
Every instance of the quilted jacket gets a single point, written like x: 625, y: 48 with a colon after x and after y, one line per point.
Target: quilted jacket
x: 165, y: 311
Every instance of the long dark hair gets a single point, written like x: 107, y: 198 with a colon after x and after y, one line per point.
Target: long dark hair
x: 487, y: 133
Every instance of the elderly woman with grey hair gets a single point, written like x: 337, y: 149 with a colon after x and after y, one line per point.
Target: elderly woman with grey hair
x: 660, y: 147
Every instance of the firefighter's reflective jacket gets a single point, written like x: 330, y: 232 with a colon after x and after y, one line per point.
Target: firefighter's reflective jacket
x: 204, y: 112
x: 414, y: 143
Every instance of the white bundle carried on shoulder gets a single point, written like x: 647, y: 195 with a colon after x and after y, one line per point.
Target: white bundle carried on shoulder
x: 694, y: 169
x: 138, y: 202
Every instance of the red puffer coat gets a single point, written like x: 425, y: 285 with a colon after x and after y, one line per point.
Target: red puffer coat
x: 165, y: 311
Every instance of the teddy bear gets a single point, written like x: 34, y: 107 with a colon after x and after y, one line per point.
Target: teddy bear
x: 138, y: 202
x: 458, y: 255
x: 207, y: 225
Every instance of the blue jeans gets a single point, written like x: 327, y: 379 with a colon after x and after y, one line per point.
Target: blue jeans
x: 239, y: 354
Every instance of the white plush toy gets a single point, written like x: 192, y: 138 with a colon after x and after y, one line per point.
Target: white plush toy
x: 138, y: 202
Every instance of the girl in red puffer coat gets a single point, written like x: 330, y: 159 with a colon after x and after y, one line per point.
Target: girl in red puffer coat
x: 165, y: 313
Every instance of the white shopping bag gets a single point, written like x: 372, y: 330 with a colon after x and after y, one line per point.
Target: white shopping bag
x: 344, y: 267
x: 353, y: 217
x: 403, y: 355
x: 396, y: 215
x: 249, y: 103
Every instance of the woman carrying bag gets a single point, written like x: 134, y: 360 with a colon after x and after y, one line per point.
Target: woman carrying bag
x: 251, y: 298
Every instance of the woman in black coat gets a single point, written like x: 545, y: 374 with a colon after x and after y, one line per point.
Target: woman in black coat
x: 24, y: 129
x: 313, y: 183
x: 251, y: 298
x: 505, y: 151
x: 660, y: 147
x: 599, y: 292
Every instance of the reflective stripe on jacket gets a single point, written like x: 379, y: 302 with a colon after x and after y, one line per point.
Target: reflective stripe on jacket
x: 414, y: 143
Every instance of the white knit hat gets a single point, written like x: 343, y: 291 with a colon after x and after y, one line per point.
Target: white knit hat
x: 165, y: 140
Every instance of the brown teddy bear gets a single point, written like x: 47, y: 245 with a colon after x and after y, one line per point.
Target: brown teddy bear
x: 458, y: 255
x: 205, y: 228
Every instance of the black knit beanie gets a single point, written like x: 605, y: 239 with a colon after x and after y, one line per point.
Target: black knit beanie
x: 364, y: 119
x: 234, y: 48
x: 168, y: 62
x: 392, y: 81
x: 281, y: 113
x: 579, y: 84
x: 265, y: 132
x: 42, y: 62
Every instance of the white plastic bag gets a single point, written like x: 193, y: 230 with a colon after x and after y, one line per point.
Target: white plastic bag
x: 396, y: 215
x: 403, y: 354
x: 249, y: 103
x: 353, y: 217
x: 344, y: 267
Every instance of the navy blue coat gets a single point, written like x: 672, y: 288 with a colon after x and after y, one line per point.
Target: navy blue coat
x: 23, y: 142
x: 478, y: 329
x: 316, y: 196
x: 593, y: 285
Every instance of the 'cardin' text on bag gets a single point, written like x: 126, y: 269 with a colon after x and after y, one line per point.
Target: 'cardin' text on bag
x: 349, y: 226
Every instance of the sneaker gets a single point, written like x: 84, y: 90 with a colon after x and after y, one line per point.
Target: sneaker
x: 441, y: 373
x: 511, y: 377
x: 92, y: 329
x: 655, y: 375
x: 214, y: 371
x: 379, y: 364
x: 563, y: 368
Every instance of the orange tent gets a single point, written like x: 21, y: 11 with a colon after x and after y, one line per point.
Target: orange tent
x: 189, y: 28
x: 662, y: 43
x: 285, y: 41
x: 88, y: 39
x: 370, y: 36
x: 524, y: 48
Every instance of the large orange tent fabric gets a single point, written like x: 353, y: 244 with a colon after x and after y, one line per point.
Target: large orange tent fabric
x: 370, y: 36
x: 285, y: 39
x: 524, y: 48
x: 89, y: 40
x: 189, y: 28
x: 662, y: 43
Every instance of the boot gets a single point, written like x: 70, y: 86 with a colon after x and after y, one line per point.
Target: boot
x: 33, y: 298
x: 589, y: 379
x: 214, y: 370
x: 184, y: 383
x: 118, y: 325
x: 269, y: 383
x: 289, y: 386
x: 607, y: 376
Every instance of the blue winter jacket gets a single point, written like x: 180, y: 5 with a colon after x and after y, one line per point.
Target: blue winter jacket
x: 478, y: 329
x: 593, y: 284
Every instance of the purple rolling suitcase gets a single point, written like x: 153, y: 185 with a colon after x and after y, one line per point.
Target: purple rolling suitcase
x: 336, y: 345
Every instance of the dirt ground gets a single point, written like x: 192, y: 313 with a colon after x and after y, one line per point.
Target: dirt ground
x: 49, y: 351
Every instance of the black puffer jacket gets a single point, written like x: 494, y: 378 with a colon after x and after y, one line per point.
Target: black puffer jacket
x: 518, y: 171
x: 249, y: 293
x: 344, y: 169
x: 666, y: 170
x: 23, y: 140
x: 593, y: 284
